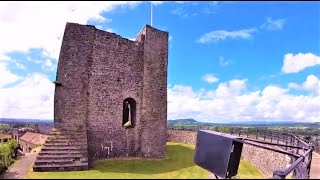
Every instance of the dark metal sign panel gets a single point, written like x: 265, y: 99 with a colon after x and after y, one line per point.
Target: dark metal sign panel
x: 218, y: 153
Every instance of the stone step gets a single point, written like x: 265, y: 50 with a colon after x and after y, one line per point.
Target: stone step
x: 55, y: 144
x: 67, y: 137
x: 59, y: 161
x: 73, y: 134
x: 68, y: 132
x: 63, y: 148
x: 65, y: 141
x: 59, y: 156
x: 73, y: 152
x: 59, y: 167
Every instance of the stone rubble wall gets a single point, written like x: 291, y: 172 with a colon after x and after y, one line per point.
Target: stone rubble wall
x: 265, y: 160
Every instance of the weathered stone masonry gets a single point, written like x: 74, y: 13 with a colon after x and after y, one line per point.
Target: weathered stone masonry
x: 97, y: 71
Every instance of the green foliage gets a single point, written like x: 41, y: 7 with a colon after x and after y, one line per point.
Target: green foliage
x: 223, y: 129
x: 7, y: 153
x: 13, y: 144
x: 5, y: 128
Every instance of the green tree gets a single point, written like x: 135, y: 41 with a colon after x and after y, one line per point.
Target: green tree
x: 8, y: 150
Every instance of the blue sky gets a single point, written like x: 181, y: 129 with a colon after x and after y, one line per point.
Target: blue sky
x: 228, y: 61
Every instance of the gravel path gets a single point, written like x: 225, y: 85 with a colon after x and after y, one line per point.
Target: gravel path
x: 19, y: 169
x: 315, y: 166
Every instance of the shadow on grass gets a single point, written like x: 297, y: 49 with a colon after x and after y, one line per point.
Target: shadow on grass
x: 178, y: 157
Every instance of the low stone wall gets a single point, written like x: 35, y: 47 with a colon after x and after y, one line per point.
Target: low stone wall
x: 265, y: 160
x: 187, y: 137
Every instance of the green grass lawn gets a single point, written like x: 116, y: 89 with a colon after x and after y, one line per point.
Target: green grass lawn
x: 178, y: 164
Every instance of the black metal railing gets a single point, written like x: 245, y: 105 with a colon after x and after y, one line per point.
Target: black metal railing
x: 283, y: 142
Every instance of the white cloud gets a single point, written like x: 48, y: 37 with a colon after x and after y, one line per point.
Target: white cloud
x: 41, y: 24
x: 6, y: 60
x: 18, y: 65
x: 231, y: 88
x: 215, y: 36
x: 273, y: 92
x: 231, y: 102
x: 209, y: 78
x: 273, y: 25
x: 36, y: 61
x: 99, y: 27
x: 132, y: 39
x: 223, y: 62
x: 7, y: 77
x: 294, y: 86
x: 49, y: 64
x: 180, y: 12
x: 311, y: 84
x: 4, y: 57
x: 109, y: 30
x: 219, y: 35
x: 31, y: 98
x: 296, y: 63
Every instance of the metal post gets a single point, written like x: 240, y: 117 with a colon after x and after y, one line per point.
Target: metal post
x: 278, y: 174
x: 248, y: 132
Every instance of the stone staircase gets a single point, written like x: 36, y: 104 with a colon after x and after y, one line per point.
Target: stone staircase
x: 63, y: 151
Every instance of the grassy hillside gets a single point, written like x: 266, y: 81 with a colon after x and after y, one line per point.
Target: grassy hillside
x: 178, y: 165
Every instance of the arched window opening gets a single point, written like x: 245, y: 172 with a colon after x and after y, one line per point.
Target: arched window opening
x: 129, y: 113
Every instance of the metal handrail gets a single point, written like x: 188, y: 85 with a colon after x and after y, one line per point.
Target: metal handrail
x: 279, y: 174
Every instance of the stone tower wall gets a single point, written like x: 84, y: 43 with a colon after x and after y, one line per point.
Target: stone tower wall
x: 154, y: 101
x: 116, y: 74
x: 70, y: 99
x: 98, y: 71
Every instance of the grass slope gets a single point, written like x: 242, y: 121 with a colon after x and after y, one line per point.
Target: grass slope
x: 178, y: 165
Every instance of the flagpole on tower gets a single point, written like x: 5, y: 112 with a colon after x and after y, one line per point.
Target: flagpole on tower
x: 151, y: 12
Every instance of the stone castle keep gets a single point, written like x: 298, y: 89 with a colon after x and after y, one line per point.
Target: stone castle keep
x: 110, y: 98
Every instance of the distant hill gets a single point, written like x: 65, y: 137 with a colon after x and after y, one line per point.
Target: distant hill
x: 189, y: 122
x: 183, y: 121
x: 15, y: 121
x: 244, y: 123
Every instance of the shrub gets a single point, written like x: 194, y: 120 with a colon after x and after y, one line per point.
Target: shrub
x: 7, y: 153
